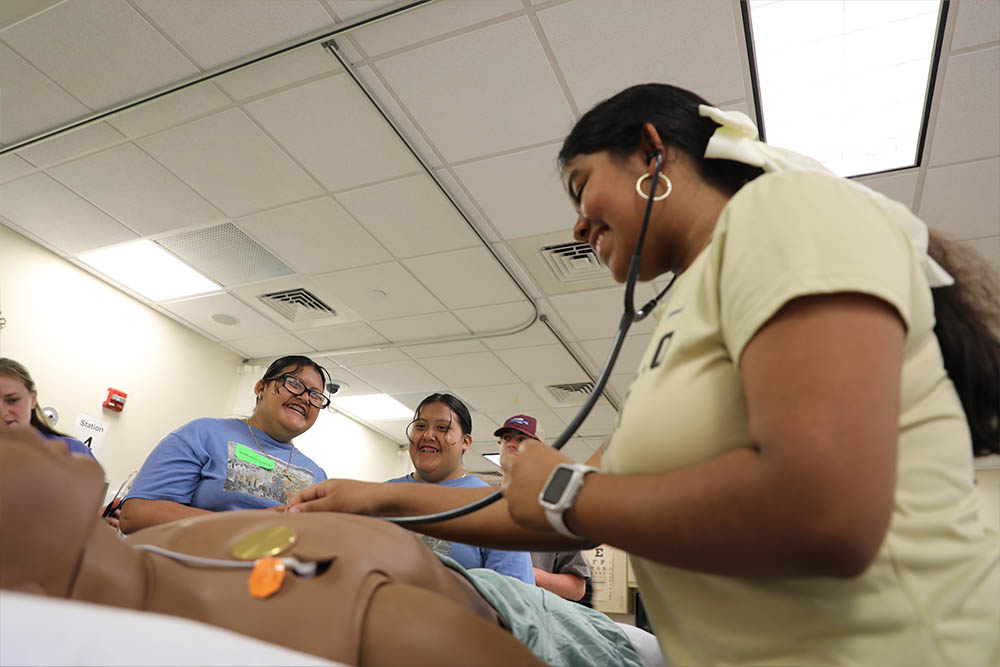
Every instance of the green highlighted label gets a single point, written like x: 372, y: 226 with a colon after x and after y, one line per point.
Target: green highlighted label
x: 256, y: 458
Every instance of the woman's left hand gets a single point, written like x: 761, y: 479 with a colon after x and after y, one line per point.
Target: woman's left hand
x: 524, y: 476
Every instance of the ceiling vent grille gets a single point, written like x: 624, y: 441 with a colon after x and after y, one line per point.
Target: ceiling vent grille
x: 572, y: 262
x: 297, y: 305
x: 225, y: 254
x: 573, y: 393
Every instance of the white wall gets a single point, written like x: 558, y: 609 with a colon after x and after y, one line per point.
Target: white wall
x: 78, y: 336
x: 345, y: 448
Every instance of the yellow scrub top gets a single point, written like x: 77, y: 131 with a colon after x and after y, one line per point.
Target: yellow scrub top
x: 932, y: 595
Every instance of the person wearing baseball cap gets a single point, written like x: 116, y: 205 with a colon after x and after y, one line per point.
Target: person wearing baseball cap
x: 564, y: 573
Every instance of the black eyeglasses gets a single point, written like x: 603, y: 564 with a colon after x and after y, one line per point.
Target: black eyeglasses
x: 296, y: 387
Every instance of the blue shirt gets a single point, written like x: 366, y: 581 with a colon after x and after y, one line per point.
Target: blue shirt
x: 75, y: 446
x: 215, y: 464
x: 515, y: 564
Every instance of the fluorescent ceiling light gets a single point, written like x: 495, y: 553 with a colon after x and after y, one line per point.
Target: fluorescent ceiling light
x: 146, y: 268
x: 493, y: 458
x: 373, y: 407
x: 844, y: 81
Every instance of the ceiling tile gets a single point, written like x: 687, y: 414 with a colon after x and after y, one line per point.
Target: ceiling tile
x: 277, y: 72
x: 11, y: 167
x: 963, y: 200
x: 466, y: 205
x: 578, y: 449
x: 392, y: 109
x: 199, y: 312
x: 541, y: 204
x: 628, y: 359
x: 350, y: 384
x: 596, y: 314
x: 273, y: 345
x: 224, y: 31
x: 343, y: 336
x: 349, y: 361
x: 347, y: 10
x: 546, y: 363
x: 513, y: 263
x: 536, y: 334
x: 978, y: 22
x: 334, y: 132
x: 703, y: 52
x: 381, y: 291
x: 426, y: 22
x: 483, y: 427
x: 970, y: 94
x: 486, y: 319
x: 398, y: 376
x: 12, y: 12
x: 98, y: 71
x: 465, y: 278
x: 901, y: 186
x: 989, y: 249
x: 409, y: 216
x: 620, y: 383
x: 501, y: 91
x: 231, y: 163
x: 598, y: 424
x: 427, y: 327
x: 515, y: 398
x: 477, y: 369
x: 134, y: 188
x: 71, y: 144
x: 443, y: 349
x: 316, y: 236
x: 169, y: 110
x: 41, y: 104
x: 56, y: 215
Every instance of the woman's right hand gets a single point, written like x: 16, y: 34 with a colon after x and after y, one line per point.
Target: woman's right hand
x: 338, y: 495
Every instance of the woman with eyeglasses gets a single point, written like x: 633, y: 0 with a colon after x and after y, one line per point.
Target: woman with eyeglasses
x: 212, y: 465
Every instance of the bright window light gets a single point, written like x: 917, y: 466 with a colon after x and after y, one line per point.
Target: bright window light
x: 373, y: 407
x: 844, y: 81
x: 148, y: 269
x: 493, y: 458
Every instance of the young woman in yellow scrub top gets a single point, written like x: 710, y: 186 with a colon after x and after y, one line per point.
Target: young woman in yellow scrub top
x: 792, y: 469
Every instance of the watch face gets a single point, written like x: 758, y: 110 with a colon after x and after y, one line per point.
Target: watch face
x: 553, y: 492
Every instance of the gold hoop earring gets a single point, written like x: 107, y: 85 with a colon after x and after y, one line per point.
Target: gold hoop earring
x: 638, y: 187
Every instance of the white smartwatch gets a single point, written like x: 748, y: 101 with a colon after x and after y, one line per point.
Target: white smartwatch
x: 560, y: 492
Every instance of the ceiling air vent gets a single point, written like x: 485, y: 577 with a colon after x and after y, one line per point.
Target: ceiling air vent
x: 225, y: 254
x: 298, y: 305
x: 573, y: 393
x: 572, y: 262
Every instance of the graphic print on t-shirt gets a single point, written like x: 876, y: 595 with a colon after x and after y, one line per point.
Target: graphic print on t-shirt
x: 277, y: 482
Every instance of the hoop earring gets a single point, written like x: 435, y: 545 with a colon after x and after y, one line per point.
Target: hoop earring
x: 638, y: 187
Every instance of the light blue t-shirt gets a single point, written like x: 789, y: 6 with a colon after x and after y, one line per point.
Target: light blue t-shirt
x: 75, y: 446
x: 215, y: 464
x: 515, y: 564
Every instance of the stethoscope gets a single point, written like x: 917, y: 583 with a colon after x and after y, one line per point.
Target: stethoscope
x: 629, y: 316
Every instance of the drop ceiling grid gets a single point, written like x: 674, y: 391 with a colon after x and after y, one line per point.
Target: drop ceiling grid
x: 98, y: 71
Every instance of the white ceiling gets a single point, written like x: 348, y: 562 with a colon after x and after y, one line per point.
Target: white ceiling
x: 291, y: 151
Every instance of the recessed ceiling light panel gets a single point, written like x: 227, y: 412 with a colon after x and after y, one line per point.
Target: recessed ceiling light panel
x: 148, y: 269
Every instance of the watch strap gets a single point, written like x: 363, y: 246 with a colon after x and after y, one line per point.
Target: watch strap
x: 572, y: 490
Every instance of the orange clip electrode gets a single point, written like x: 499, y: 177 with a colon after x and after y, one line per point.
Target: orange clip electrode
x: 266, y: 577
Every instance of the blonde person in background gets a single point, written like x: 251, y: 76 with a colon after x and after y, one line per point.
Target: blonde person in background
x: 19, y: 408
x: 564, y: 573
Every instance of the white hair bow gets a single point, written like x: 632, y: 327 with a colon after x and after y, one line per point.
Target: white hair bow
x: 736, y: 139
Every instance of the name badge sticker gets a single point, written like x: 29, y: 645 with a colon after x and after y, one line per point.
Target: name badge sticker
x: 255, y: 458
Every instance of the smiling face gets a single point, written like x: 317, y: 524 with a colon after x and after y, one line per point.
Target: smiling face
x: 281, y: 414
x: 437, y: 444
x: 16, y: 403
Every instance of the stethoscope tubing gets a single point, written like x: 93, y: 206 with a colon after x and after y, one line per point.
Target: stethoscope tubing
x: 629, y: 316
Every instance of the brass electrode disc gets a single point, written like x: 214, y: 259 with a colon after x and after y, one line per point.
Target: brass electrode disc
x: 265, y: 542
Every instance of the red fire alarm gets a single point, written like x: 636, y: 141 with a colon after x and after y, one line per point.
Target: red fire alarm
x: 115, y: 400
